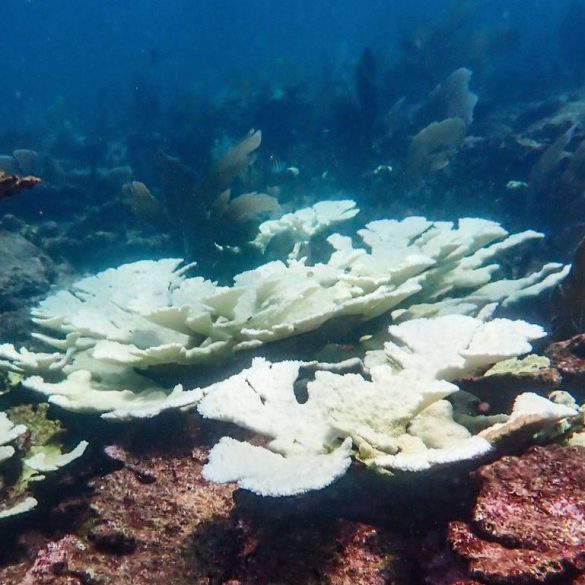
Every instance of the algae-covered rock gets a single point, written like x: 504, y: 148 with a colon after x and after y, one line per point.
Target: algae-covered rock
x: 156, y: 520
x: 528, y: 524
x: 529, y: 365
x: 568, y: 357
x: 499, y: 386
x: 36, y: 449
x: 41, y: 429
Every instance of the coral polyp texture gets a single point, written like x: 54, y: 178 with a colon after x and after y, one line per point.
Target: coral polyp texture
x: 528, y: 524
x: 439, y: 281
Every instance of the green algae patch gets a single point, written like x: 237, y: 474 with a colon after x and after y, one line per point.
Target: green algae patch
x: 531, y: 364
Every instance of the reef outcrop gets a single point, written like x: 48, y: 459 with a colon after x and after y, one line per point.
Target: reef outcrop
x: 528, y: 523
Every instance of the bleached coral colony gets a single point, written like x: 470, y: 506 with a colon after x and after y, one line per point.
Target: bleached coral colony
x: 438, y: 281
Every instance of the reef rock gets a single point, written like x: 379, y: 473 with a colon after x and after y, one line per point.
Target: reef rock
x: 528, y: 524
x: 24, y: 270
x: 25, y: 273
x: 568, y: 357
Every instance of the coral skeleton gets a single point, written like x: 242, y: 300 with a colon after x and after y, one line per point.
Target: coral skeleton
x: 438, y: 281
x: 102, y: 330
x: 396, y: 418
x: 8, y: 432
x: 304, y: 224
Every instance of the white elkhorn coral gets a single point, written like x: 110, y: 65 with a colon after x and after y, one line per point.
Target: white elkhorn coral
x: 105, y: 334
x: 396, y: 420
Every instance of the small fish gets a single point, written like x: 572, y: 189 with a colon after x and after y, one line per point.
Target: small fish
x: 13, y: 184
x: 513, y: 185
x: 275, y: 165
x: 142, y: 202
x: 383, y: 170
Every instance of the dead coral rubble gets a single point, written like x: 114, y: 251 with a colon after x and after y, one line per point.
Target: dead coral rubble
x: 528, y: 524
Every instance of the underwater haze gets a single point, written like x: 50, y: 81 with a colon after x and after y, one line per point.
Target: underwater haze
x: 77, y: 51
x: 319, y: 80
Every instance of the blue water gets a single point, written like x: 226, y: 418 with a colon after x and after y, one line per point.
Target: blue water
x: 75, y: 49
